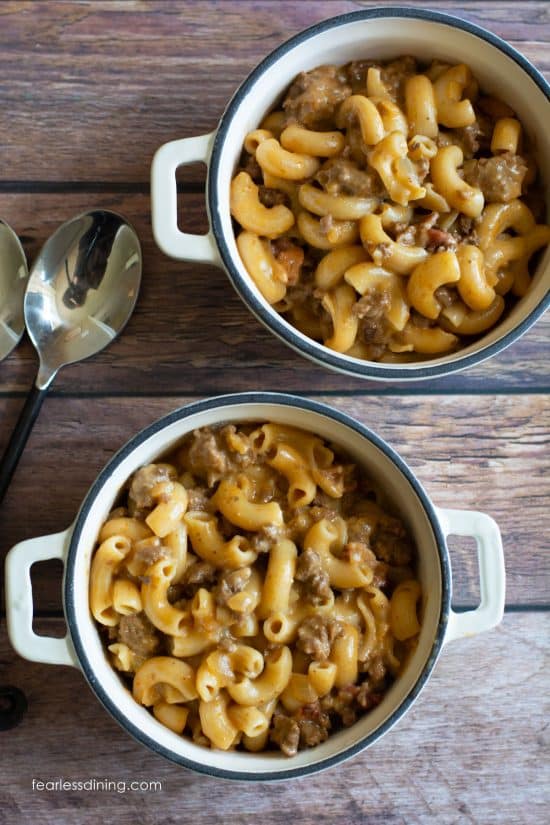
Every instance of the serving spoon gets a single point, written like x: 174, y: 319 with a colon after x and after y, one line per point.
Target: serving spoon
x: 81, y: 291
x: 13, y: 280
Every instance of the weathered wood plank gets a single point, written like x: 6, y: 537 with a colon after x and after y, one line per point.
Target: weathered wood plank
x: 448, y: 761
x: 190, y: 331
x: 92, y: 89
x: 481, y: 453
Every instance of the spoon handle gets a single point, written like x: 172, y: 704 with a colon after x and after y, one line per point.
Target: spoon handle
x: 16, y: 445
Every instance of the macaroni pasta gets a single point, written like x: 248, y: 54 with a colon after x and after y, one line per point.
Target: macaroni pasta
x: 391, y: 211
x: 253, y: 589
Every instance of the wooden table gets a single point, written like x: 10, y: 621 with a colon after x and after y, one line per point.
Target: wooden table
x: 88, y: 92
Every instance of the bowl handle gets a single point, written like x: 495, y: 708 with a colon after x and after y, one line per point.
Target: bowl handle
x: 492, y: 576
x: 164, y: 201
x: 19, y: 602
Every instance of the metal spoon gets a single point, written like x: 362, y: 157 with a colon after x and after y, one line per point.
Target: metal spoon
x: 81, y: 291
x: 13, y: 280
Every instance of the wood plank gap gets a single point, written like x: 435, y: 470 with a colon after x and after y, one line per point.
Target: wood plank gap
x: 307, y: 393
x: 60, y: 187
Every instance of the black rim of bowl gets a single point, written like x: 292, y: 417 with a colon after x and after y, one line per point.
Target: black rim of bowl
x: 283, y: 329
x: 221, y: 402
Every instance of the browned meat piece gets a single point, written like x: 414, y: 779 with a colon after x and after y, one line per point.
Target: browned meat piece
x: 377, y: 671
x: 323, y: 499
x: 405, y: 233
x: 198, y: 498
x: 316, y: 635
x: 343, y: 704
x: 371, y: 305
x: 226, y: 641
x: 290, y: 256
x: 391, y: 542
x: 419, y: 320
x: 143, y: 481
x: 139, y: 634
x: 302, y: 293
x: 422, y: 227
x: 201, y: 573
x: 351, y: 701
x: 357, y: 72
x: 150, y: 550
x: 230, y: 583
x: 314, y: 96
x: 176, y: 595
x: 471, y: 139
x: 493, y: 107
x: 285, y: 733
x: 314, y: 725
x: 445, y: 295
x: 250, y: 165
x: 319, y: 511
x: 393, y: 75
x: 438, y: 239
x: 500, y: 178
x: 359, y: 529
x: 381, y: 575
x: 263, y: 540
x: 355, y: 149
x: 464, y: 230
x: 272, y: 197
x: 371, y: 310
x: 342, y: 177
x: 315, y: 581
x: 206, y: 458
x: 308, y: 727
x: 358, y: 552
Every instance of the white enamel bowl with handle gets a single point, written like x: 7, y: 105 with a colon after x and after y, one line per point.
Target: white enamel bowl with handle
x: 82, y: 647
x: 379, y: 33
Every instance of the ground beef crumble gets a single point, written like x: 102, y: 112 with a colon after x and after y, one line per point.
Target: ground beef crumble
x: 340, y: 176
x: 315, y: 581
x: 230, y: 583
x: 391, y: 542
x: 314, y: 96
x: 139, y: 634
x: 500, y: 178
x: 316, y: 635
x: 308, y: 727
x: 139, y: 497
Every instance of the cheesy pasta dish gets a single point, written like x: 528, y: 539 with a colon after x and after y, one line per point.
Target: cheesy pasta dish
x: 389, y: 210
x: 254, y: 590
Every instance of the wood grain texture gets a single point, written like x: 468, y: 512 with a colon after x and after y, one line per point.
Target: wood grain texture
x: 448, y: 761
x: 488, y: 453
x: 191, y: 332
x: 122, y: 77
x: 89, y: 91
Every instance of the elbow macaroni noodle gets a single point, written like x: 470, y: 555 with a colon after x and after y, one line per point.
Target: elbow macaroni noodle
x: 408, y: 174
x: 276, y: 603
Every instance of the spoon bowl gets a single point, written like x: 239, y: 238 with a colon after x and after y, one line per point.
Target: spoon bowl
x: 13, y: 280
x: 81, y: 291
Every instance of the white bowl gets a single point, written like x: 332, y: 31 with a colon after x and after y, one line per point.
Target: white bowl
x: 82, y: 647
x: 379, y: 33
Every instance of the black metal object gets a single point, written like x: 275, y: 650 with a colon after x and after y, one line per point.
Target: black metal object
x: 13, y: 704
